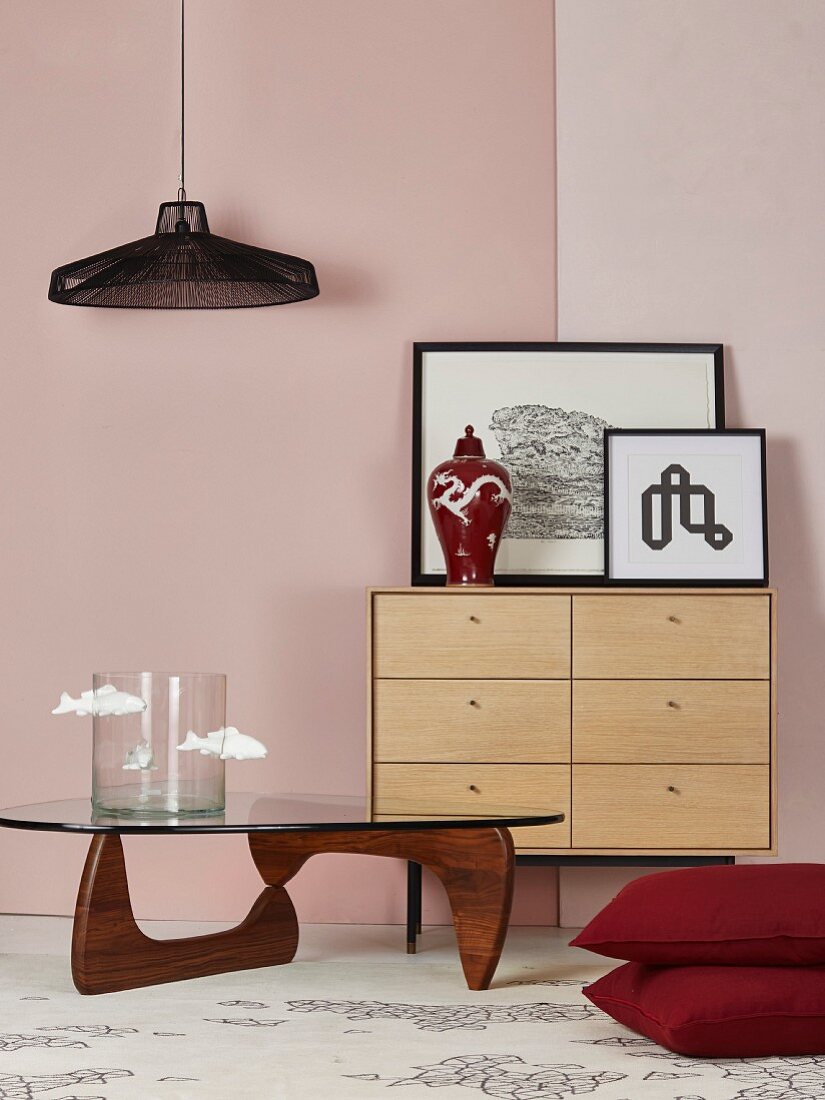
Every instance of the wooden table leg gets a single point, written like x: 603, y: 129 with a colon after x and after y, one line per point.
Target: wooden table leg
x: 109, y: 951
x: 475, y: 866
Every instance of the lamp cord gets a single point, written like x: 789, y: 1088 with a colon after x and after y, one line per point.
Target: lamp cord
x: 182, y: 188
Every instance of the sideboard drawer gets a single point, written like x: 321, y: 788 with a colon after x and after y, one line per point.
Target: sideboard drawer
x: 724, y: 806
x: 515, y: 721
x: 456, y: 790
x: 463, y: 635
x: 671, y: 637
x: 672, y: 721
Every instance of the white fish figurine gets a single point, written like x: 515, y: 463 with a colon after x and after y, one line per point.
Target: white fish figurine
x: 140, y: 759
x: 227, y: 743
x: 105, y: 702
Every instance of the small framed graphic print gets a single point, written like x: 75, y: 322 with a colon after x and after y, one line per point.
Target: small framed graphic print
x: 541, y: 410
x: 685, y: 507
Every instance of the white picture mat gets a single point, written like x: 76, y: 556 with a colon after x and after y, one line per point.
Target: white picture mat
x: 719, y: 471
x: 729, y: 465
x: 628, y: 389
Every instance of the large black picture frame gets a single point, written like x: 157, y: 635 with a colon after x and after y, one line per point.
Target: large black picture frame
x: 760, y: 581
x: 419, y: 577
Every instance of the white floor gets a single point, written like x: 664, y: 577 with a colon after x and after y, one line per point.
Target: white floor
x: 351, y: 1017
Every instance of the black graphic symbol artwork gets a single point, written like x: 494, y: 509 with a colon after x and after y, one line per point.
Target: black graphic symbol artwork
x: 675, y: 482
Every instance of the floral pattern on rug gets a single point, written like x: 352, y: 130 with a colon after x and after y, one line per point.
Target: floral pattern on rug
x: 316, y: 1029
x: 14, y: 1086
x: 508, y: 1077
x: 450, y: 1017
x: 58, y: 1037
x: 769, y: 1078
x: 249, y: 1021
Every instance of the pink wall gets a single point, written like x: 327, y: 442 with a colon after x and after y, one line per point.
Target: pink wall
x: 215, y: 490
x: 690, y: 167
x: 407, y: 149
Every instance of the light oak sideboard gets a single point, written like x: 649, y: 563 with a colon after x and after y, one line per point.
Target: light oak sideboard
x: 648, y: 716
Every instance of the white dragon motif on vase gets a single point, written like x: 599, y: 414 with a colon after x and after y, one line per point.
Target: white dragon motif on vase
x: 457, y: 496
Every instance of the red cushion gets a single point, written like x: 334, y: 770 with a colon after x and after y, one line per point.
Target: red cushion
x: 719, y: 1011
x: 746, y: 915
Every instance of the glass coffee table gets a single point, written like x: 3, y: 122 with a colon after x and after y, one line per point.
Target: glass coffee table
x: 471, y: 855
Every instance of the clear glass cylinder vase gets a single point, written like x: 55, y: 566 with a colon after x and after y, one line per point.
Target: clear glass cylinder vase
x: 140, y: 721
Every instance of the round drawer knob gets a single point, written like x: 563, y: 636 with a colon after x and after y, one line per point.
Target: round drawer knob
x: 673, y: 704
x: 473, y: 787
x: 672, y: 790
x: 473, y: 703
x: 475, y: 619
x: 673, y: 619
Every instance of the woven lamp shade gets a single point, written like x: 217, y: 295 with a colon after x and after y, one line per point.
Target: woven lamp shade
x: 184, y: 266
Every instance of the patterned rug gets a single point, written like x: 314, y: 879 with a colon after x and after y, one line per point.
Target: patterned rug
x: 353, y: 1028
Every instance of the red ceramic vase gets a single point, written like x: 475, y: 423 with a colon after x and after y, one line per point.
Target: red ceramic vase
x: 470, y: 497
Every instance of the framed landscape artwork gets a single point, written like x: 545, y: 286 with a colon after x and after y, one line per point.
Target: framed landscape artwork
x: 541, y: 409
x: 686, y: 507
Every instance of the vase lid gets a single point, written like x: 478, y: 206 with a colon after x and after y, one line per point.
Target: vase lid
x: 469, y: 445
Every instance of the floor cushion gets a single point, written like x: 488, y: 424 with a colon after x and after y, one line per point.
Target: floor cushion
x: 719, y: 1011
x: 747, y: 915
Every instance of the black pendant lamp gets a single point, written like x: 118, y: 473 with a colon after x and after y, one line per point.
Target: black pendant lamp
x: 182, y: 265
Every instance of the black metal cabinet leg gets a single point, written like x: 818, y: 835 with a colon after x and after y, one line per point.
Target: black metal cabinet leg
x: 418, y: 893
x: 413, y: 905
